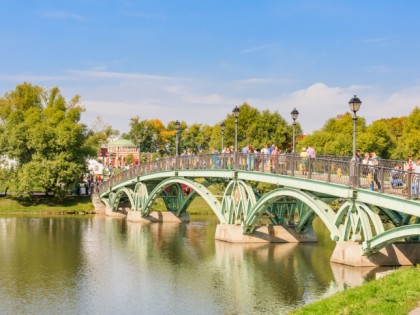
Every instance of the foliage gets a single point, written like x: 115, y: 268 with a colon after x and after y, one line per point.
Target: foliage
x: 254, y: 127
x: 129, y: 159
x: 394, y: 138
x: 41, y: 131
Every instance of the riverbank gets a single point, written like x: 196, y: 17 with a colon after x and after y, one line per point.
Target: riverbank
x: 79, y: 204
x: 48, y: 205
x: 396, y: 293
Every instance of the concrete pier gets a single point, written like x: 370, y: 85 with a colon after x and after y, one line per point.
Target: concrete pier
x: 157, y: 216
x: 264, y: 234
x: 98, y: 205
x: 398, y: 254
x: 114, y: 214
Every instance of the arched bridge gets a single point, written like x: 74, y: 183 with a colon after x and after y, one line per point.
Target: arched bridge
x: 335, y: 190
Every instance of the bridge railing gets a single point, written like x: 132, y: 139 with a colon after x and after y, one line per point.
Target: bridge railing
x: 382, y: 178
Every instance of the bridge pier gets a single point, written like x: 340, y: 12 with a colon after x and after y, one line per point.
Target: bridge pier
x: 157, y: 216
x: 397, y: 254
x: 264, y: 234
x: 110, y: 213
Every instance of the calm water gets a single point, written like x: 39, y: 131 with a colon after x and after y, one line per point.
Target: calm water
x: 96, y: 265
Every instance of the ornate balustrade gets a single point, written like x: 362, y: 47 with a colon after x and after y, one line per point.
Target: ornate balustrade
x: 322, y: 168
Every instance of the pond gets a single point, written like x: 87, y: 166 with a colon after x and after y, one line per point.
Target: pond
x: 98, y: 265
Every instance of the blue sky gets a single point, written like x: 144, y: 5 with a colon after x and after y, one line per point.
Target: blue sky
x: 196, y: 60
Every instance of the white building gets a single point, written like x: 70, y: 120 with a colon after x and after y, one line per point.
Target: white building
x: 95, y: 166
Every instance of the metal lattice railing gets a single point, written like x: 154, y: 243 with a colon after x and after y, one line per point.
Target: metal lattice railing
x: 383, y: 178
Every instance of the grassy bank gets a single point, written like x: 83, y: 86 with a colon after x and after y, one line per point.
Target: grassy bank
x: 46, y: 205
x: 397, y: 293
x: 80, y: 204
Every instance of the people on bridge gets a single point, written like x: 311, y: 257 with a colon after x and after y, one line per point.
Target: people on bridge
x: 311, y: 152
x: 374, y: 163
x: 304, y: 161
x: 396, y: 177
x: 416, y: 180
x: 409, y: 164
x: 365, y: 164
x: 215, y: 159
x: 251, y: 159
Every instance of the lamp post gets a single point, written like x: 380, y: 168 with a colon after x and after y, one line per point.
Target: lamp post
x: 177, y: 124
x: 294, y: 115
x: 354, y: 105
x: 222, y: 127
x: 139, y: 142
x: 235, y: 112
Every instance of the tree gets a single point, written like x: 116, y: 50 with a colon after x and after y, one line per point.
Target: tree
x: 42, y: 132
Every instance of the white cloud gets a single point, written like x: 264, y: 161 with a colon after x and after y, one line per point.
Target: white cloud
x: 144, y: 15
x: 117, y: 97
x: 62, y: 15
x: 256, y: 48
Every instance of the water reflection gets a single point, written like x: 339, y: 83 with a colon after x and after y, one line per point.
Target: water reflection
x: 101, y: 265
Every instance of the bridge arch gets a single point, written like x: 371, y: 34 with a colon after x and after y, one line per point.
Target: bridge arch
x: 238, y: 201
x: 324, y: 211
x: 141, y: 195
x: 197, y: 187
x: 380, y: 241
x: 116, y: 198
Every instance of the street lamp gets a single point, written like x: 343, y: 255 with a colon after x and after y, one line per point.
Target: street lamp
x: 354, y: 105
x: 235, y: 112
x: 294, y: 115
x: 139, y: 141
x: 177, y: 124
x: 223, y: 127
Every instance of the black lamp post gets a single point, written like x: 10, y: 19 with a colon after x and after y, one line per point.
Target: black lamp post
x: 294, y: 115
x: 354, y: 105
x: 235, y: 112
x: 223, y: 127
x: 177, y: 124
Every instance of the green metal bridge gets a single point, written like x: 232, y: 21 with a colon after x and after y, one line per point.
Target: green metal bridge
x: 301, y: 192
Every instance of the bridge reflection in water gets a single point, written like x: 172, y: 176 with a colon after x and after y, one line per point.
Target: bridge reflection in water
x: 300, y: 194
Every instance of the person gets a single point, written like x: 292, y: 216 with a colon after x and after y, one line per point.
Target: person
x: 244, y: 157
x: 416, y: 179
x: 304, y: 160
x: 258, y: 159
x: 409, y: 165
x: 374, y: 169
x: 365, y: 163
x: 311, y: 152
x: 358, y: 157
x: 215, y: 158
x: 395, y: 177
x: 265, y: 154
x: 274, y: 159
x: 251, y: 158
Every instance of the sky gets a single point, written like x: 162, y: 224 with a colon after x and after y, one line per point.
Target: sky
x: 195, y: 60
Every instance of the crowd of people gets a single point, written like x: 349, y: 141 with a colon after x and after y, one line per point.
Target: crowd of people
x: 271, y: 158
x: 398, y: 176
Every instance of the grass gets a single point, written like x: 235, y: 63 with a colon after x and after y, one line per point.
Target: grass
x: 397, y: 293
x: 46, y: 205
x: 197, y: 206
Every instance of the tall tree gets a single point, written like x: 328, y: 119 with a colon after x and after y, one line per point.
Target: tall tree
x: 42, y: 132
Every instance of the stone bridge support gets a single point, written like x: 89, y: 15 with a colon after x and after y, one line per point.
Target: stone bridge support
x: 264, y: 234
x: 397, y: 254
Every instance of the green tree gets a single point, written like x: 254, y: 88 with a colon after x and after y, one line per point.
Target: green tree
x: 42, y: 132
x: 409, y: 142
